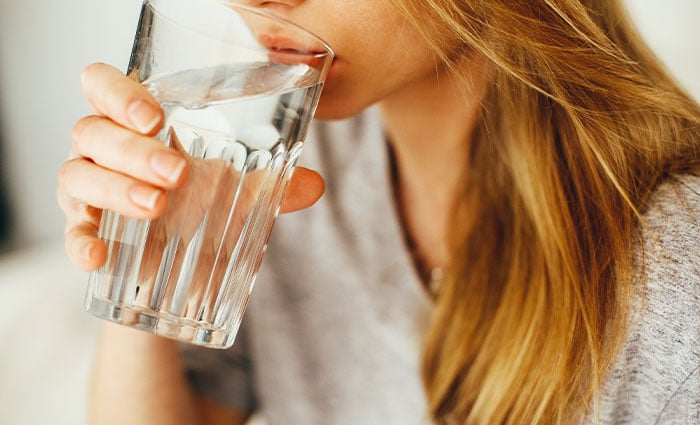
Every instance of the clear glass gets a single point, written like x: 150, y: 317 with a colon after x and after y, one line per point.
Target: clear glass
x: 238, y: 87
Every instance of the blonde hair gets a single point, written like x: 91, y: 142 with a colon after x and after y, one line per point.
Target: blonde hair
x: 580, y: 125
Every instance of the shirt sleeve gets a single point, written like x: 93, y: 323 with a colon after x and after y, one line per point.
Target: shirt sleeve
x: 222, y: 376
x: 656, y: 379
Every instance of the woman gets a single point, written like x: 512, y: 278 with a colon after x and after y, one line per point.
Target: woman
x: 529, y: 163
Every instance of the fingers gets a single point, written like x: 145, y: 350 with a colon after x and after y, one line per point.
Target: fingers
x: 84, y: 248
x: 113, y: 166
x: 117, y: 166
x: 81, y: 182
x: 84, y: 189
x: 116, y: 148
x: 305, y: 188
x: 124, y: 100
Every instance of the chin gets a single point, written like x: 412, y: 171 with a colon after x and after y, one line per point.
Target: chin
x: 336, y: 107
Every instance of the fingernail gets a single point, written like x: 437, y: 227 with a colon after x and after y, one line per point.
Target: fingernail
x: 168, y: 165
x: 143, y: 196
x: 143, y: 116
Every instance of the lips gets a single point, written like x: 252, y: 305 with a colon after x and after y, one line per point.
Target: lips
x: 286, y: 44
x: 287, y: 51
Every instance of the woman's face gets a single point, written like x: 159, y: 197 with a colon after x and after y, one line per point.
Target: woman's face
x: 377, y: 52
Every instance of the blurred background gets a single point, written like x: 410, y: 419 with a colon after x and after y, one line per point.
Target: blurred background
x: 44, y: 44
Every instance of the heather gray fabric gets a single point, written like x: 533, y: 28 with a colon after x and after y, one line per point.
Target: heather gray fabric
x: 657, y: 376
x: 333, y: 330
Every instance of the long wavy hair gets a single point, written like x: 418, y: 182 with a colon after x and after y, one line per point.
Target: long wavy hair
x: 580, y: 125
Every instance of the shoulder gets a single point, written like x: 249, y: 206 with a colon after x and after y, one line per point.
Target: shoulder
x: 669, y: 248
x: 656, y: 378
x: 675, y: 202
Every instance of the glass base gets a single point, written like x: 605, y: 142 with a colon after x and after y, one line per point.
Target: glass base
x: 162, y: 324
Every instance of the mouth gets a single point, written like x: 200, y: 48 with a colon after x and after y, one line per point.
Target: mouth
x: 287, y: 45
x: 287, y: 51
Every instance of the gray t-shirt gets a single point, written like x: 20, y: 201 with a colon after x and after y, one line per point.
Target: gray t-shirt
x: 333, y: 332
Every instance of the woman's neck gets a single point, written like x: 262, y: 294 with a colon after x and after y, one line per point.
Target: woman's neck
x: 428, y: 126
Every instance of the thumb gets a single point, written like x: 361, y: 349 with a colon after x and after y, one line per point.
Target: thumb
x: 305, y: 188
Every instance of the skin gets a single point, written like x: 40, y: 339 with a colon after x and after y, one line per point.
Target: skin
x: 116, y: 164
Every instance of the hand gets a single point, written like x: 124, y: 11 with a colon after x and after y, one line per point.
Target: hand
x: 117, y: 164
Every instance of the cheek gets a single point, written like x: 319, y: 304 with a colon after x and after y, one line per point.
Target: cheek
x: 378, y: 54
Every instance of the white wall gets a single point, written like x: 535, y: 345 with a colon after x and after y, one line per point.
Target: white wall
x: 672, y: 28
x: 45, y: 43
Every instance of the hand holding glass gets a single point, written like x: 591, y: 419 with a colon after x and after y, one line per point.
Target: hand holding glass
x: 238, y: 88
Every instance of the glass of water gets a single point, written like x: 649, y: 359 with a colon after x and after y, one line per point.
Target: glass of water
x: 238, y: 87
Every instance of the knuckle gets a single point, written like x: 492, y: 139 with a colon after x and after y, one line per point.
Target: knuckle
x: 71, y: 245
x: 66, y: 170
x: 79, y: 131
x: 89, y: 71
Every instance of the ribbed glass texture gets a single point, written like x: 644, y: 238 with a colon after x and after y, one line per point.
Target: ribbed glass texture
x: 238, y: 112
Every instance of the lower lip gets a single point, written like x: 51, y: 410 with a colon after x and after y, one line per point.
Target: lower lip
x: 294, y: 57
x: 286, y: 51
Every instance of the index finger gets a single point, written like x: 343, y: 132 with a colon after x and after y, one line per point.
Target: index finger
x: 123, y: 100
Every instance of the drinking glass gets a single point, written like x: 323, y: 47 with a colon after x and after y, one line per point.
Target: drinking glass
x: 238, y: 87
